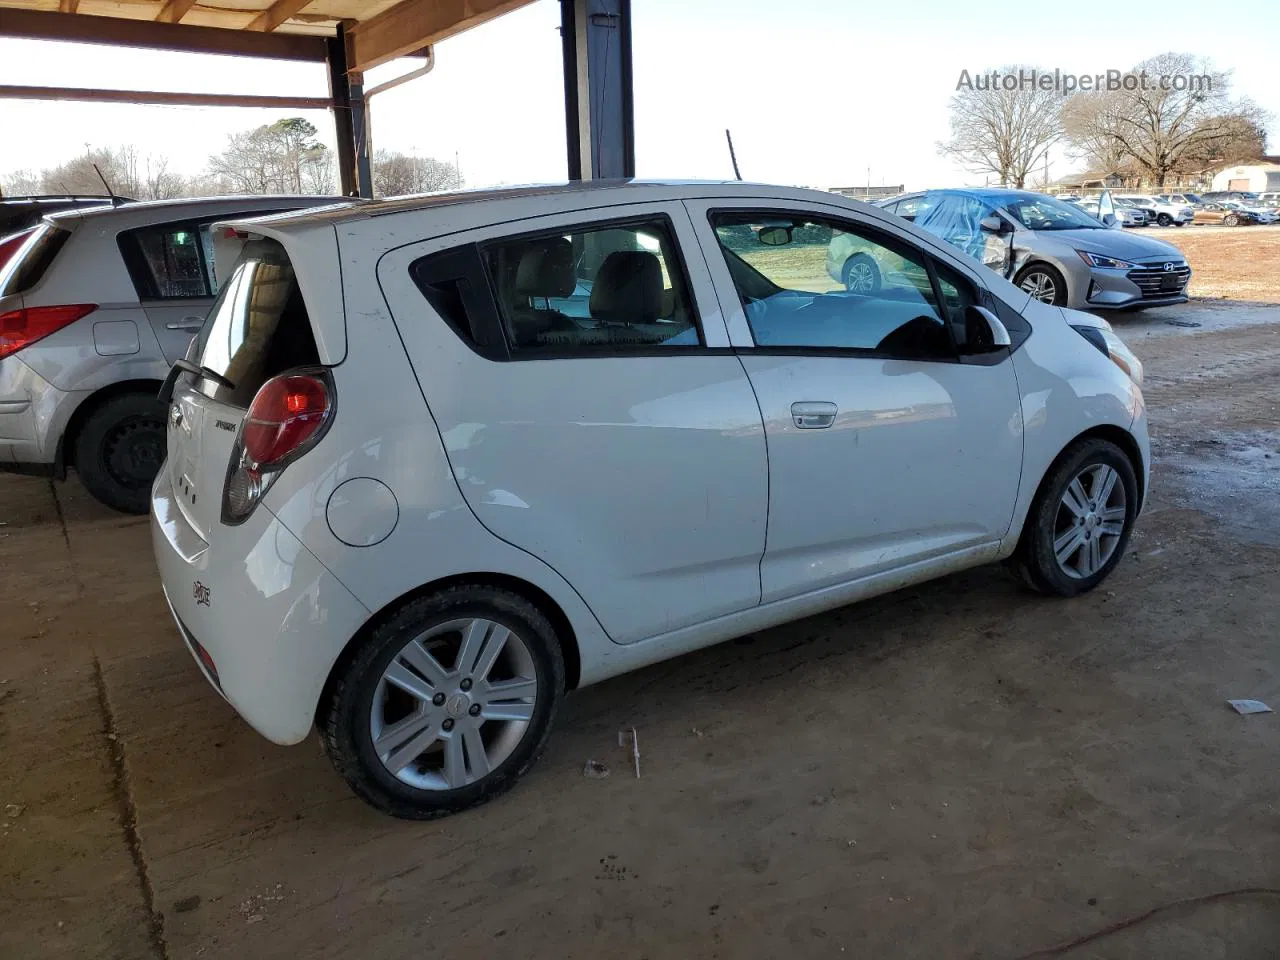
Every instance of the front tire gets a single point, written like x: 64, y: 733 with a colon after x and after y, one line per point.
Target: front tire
x: 1231, y: 220
x: 446, y: 704
x: 1044, y: 283
x: 1078, y: 527
x: 119, y: 450
x: 861, y: 274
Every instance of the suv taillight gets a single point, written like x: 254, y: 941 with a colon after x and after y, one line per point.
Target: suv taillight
x: 21, y: 328
x: 286, y: 418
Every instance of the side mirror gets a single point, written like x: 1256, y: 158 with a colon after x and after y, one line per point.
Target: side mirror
x: 984, y: 331
x: 1110, y: 220
x: 774, y: 236
x: 992, y: 225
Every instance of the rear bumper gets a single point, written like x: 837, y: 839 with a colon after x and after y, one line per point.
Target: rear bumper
x: 33, y: 415
x: 270, y: 617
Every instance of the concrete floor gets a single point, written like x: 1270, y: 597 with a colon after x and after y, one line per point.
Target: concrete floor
x: 955, y: 770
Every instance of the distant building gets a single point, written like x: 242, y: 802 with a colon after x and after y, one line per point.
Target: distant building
x: 1089, y: 182
x: 868, y: 192
x: 1259, y: 177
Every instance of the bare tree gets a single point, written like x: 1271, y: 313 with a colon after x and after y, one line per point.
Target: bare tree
x: 282, y: 157
x: 1004, y: 129
x: 161, y: 183
x: 20, y: 183
x: 1179, y: 111
x: 396, y: 174
x: 119, y: 167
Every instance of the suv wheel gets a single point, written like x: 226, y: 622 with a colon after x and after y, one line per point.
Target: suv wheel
x: 119, y: 450
x: 446, y: 704
x: 1079, y: 525
x: 1043, y: 283
x: 1163, y: 219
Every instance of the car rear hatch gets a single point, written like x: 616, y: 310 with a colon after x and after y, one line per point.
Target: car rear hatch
x: 258, y: 328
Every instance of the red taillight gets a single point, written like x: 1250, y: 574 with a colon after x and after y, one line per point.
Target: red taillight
x: 11, y: 244
x: 284, y: 415
x: 21, y: 328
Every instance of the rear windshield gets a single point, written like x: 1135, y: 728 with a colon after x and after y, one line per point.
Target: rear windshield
x: 257, y: 328
x: 25, y: 268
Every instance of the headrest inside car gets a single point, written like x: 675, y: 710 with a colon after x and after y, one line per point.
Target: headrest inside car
x: 546, y: 269
x: 628, y: 288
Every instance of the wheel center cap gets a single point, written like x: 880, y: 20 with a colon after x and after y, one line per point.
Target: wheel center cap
x: 456, y: 706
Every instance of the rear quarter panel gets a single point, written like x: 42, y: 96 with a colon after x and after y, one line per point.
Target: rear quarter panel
x: 383, y: 430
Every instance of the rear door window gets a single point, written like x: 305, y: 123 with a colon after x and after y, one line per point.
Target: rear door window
x: 258, y: 327
x: 166, y: 262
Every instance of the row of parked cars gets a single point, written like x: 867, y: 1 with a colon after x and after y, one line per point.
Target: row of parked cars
x: 1227, y: 208
x: 417, y: 467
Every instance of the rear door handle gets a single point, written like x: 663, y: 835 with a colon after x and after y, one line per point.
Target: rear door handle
x: 186, y: 323
x: 813, y: 414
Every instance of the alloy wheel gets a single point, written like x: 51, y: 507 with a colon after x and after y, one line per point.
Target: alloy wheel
x: 1040, y: 285
x: 453, y: 704
x: 860, y: 277
x: 1090, y: 521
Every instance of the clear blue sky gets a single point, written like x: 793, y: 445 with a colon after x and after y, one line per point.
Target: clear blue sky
x: 815, y: 91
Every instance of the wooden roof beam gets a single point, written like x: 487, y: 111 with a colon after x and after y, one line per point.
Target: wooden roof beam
x: 174, y: 10
x: 411, y: 25
x: 276, y: 14
x: 68, y: 6
x: 117, y: 31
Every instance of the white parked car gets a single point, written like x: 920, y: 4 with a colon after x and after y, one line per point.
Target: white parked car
x: 435, y: 461
x: 1162, y: 212
x: 1126, y: 215
x: 1129, y: 213
x: 95, y: 306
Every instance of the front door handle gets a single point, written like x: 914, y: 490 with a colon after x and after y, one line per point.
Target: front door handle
x: 186, y: 323
x: 813, y: 414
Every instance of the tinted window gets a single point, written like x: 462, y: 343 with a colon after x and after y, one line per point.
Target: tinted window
x: 169, y: 263
x: 592, y: 289
x: 258, y: 327
x: 812, y: 282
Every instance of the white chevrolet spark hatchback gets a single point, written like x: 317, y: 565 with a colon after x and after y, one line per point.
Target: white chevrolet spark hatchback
x: 435, y: 461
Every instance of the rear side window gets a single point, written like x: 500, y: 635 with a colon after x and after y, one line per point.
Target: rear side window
x: 258, y: 328
x: 604, y: 288
x: 25, y: 268
x: 167, y: 262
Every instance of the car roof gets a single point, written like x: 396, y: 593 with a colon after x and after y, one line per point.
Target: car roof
x: 608, y: 192
x: 195, y: 206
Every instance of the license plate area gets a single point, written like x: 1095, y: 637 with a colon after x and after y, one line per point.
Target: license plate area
x: 1171, y: 282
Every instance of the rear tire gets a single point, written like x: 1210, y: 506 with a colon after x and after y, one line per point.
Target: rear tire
x: 1079, y: 525
x: 396, y: 749
x: 1163, y: 219
x: 119, y: 450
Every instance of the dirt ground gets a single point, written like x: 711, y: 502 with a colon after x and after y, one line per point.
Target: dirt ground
x: 955, y: 770
x: 1235, y: 262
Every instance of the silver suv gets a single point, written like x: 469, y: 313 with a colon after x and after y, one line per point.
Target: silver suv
x: 94, y: 309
